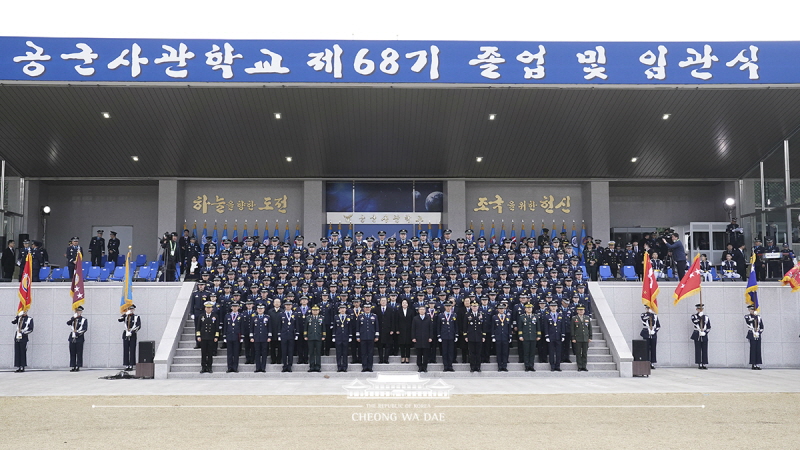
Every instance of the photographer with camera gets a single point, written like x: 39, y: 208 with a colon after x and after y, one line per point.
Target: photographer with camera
x: 171, y: 255
x: 678, y: 252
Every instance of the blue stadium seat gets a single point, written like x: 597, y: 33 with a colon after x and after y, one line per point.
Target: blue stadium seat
x: 141, y: 260
x: 110, y: 266
x: 121, y: 260
x: 153, y: 275
x: 119, y: 273
x: 104, y: 273
x: 44, y: 274
x: 605, y: 273
x: 670, y: 274
x: 144, y: 273
x: 86, y: 266
x: 629, y: 273
x: 714, y: 275
x: 93, y: 274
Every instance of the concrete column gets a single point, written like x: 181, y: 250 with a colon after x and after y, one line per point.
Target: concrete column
x: 455, y: 206
x: 313, y: 210
x: 596, y: 207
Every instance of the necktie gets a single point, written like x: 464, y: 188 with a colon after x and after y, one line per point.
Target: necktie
x: 383, y: 310
x: 341, y: 317
x: 234, y: 317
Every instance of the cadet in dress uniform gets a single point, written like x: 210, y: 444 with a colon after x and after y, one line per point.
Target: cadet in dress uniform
x: 133, y: 324
x: 553, y: 326
x: 755, y: 327
x: 247, y: 347
x: 315, y: 334
x: 79, y: 326
x: 447, y: 331
x: 71, y: 254
x: 302, y: 312
x: 24, y: 325
x: 702, y: 325
x: 542, y: 345
x: 113, y: 247
x: 650, y: 327
x: 207, y: 333
x: 528, y: 333
x: 581, y: 336
x: 367, y: 334
x: 342, y: 335
x: 501, y: 336
x: 97, y: 247
x: 475, y: 335
x: 422, y: 335
x: 289, y: 333
x: 234, y: 333
x: 260, y: 336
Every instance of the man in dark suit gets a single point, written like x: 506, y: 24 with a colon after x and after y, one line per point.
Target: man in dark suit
x: 9, y: 260
x: 207, y: 333
x: 385, y: 315
x: 97, y: 247
x: 422, y: 336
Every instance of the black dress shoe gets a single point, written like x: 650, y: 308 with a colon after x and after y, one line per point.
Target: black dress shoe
x: 558, y: 369
x: 72, y: 369
x: 77, y: 369
x: 229, y: 371
x: 652, y: 366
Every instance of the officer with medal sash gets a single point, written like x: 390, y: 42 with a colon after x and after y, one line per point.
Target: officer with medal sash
x: 528, y: 333
x: 501, y: 336
x: 207, y: 333
x: 314, y: 334
x: 234, y: 333
x: 79, y: 326
x: 260, y: 336
x: 581, y: 326
x: 553, y: 326
x: 702, y: 325
x: 289, y: 333
x: 342, y: 336
x: 755, y: 326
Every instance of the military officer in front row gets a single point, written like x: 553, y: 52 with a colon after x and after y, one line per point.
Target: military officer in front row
x: 260, y: 336
x: 447, y: 331
x: 207, y: 333
x: 528, y: 333
x: 367, y: 334
x: 234, y: 332
x: 24, y: 325
x: 581, y: 327
x: 341, y: 335
x: 501, y: 336
x: 475, y: 335
x: 79, y: 326
x: 314, y: 335
x: 553, y: 326
x: 755, y: 326
x: 289, y: 333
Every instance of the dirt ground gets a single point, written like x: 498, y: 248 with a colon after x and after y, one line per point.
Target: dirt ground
x: 593, y: 421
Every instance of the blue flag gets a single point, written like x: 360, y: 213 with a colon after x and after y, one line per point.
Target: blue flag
x: 522, y: 232
x: 286, y: 236
x: 482, y: 233
x: 502, y: 232
x: 235, y: 232
x: 751, y: 292
x: 244, y: 232
x: 492, y: 236
x: 582, y: 243
x: 214, y: 236
x: 205, y: 233
x: 127, y: 286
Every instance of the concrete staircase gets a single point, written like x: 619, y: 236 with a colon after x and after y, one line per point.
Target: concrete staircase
x: 186, y: 364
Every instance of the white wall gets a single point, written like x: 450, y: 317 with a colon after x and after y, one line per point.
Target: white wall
x: 726, y: 308
x: 48, y: 347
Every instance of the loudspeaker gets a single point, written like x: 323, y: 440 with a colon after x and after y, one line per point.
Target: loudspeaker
x: 22, y: 238
x: 147, y: 351
x: 640, y: 350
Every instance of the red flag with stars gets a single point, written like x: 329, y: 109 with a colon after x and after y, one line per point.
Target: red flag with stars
x: 25, y: 286
x: 690, y: 284
x: 649, y: 285
x: 77, y: 284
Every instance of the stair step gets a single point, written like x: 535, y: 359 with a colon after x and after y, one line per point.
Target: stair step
x: 195, y: 359
x: 352, y: 373
x: 220, y: 366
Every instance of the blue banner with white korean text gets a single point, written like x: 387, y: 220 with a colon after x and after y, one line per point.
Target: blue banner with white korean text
x: 431, y: 62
